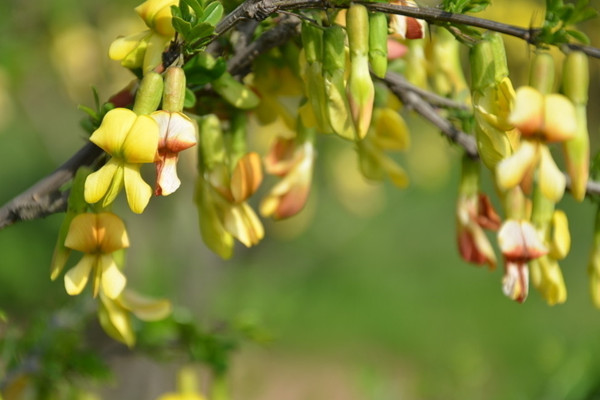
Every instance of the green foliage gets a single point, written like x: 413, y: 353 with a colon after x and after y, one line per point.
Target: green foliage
x: 196, y: 23
x: 560, y: 19
x: 465, y: 6
x: 94, y: 115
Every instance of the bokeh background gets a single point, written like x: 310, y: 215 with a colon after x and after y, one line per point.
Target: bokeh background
x: 363, y: 294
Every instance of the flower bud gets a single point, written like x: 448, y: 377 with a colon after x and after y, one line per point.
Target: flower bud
x: 378, y: 32
x: 149, y: 94
x: 541, y: 75
x: 174, y: 91
x: 577, y: 150
x: 488, y: 61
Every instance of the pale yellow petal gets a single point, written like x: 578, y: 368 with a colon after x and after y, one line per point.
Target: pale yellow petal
x: 551, y: 179
x: 98, y: 183
x: 138, y: 192
x: 141, y: 142
x: 113, y: 130
x: 528, y: 112
x: 234, y: 223
x: 77, y: 277
x: 246, y: 177
x: 560, y: 123
x: 83, y: 235
x: 112, y: 235
x: 113, y: 280
x: 560, y: 243
x: 511, y: 170
x: 391, y: 132
x: 115, y: 321
x: 167, y: 180
x: 182, y: 133
x: 145, y: 308
x: 123, y: 46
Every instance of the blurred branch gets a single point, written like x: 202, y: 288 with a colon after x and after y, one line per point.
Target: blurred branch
x: 45, y: 198
x: 414, y: 99
x: 261, y: 9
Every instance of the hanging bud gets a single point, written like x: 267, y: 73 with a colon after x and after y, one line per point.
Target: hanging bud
x: 314, y: 83
x: 149, y: 94
x: 488, y: 61
x: 577, y: 150
x: 378, y: 32
x: 360, y: 89
x: 174, y: 90
x: 541, y: 75
x: 334, y: 60
x: 448, y: 77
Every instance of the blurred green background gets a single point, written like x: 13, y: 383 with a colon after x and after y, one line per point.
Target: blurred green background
x: 366, y: 297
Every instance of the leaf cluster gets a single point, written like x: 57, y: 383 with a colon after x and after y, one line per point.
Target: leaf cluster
x: 195, y: 23
x: 94, y: 115
x: 559, y: 21
x: 465, y: 6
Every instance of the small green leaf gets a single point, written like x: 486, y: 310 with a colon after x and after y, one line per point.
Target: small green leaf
x: 181, y: 26
x: 185, y: 11
x: 190, y: 99
x: 213, y: 13
x: 200, y: 31
x: 579, y: 36
x: 196, y: 6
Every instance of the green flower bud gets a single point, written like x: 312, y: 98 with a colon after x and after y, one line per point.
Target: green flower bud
x: 334, y: 61
x: 488, y: 62
x: 312, y: 41
x: 576, y: 77
x: 149, y: 94
x: 378, y: 32
x: 174, y: 92
x: 541, y: 75
x: 234, y: 92
x: 212, y: 148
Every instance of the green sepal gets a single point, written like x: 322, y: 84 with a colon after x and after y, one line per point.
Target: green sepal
x: 175, y: 90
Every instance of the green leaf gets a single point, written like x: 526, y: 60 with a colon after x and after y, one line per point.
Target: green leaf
x: 185, y: 11
x: 213, y: 13
x: 181, y: 26
x: 196, y: 6
x: 578, y: 35
x: 190, y: 99
x: 203, y: 69
x: 200, y: 31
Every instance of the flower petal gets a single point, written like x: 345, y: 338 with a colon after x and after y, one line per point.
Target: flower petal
x: 145, y: 308
x: 77, y: 277
x: 551, y: 179
x: 560, y: 242
x: 112, y: 235
x: 138, y: 192
x: 83, y: 235
x: 113, y: 130
x: 115, y: 321
x: 519, y: 241
x: 167, y: 180
x: 515, y: 283
x: 98, y: 183
x: 560, y: 123
x: 246, y: 177
x: 511, y: 171
x: 141, y: 142
x: 113, y: 280
x: 181, y: 133
x: 528, y: 112
x: 123, y: 47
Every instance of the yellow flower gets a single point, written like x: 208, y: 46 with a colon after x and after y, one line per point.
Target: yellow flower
x: 140, y: 50
x: 294, y: 163
x: 177, y: 133
x: 131, y: 140
x: 157, y: 15
x: 98, y: 236
x: 115, y: 318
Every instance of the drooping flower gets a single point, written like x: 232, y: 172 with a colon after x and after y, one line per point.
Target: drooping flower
x: 115, y: 313
x: 144, y: 49
x: 177, y: 132
x: 407, y: 27
x: 474, y: 213
x: 98, y: 236
x: 520, y: 243
x: 131, y: 140
x: 294, y: 162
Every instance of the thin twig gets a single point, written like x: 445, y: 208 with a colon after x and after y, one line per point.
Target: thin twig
x: 45, y: 198
x: 432, y: 98
x: 397, y: 85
